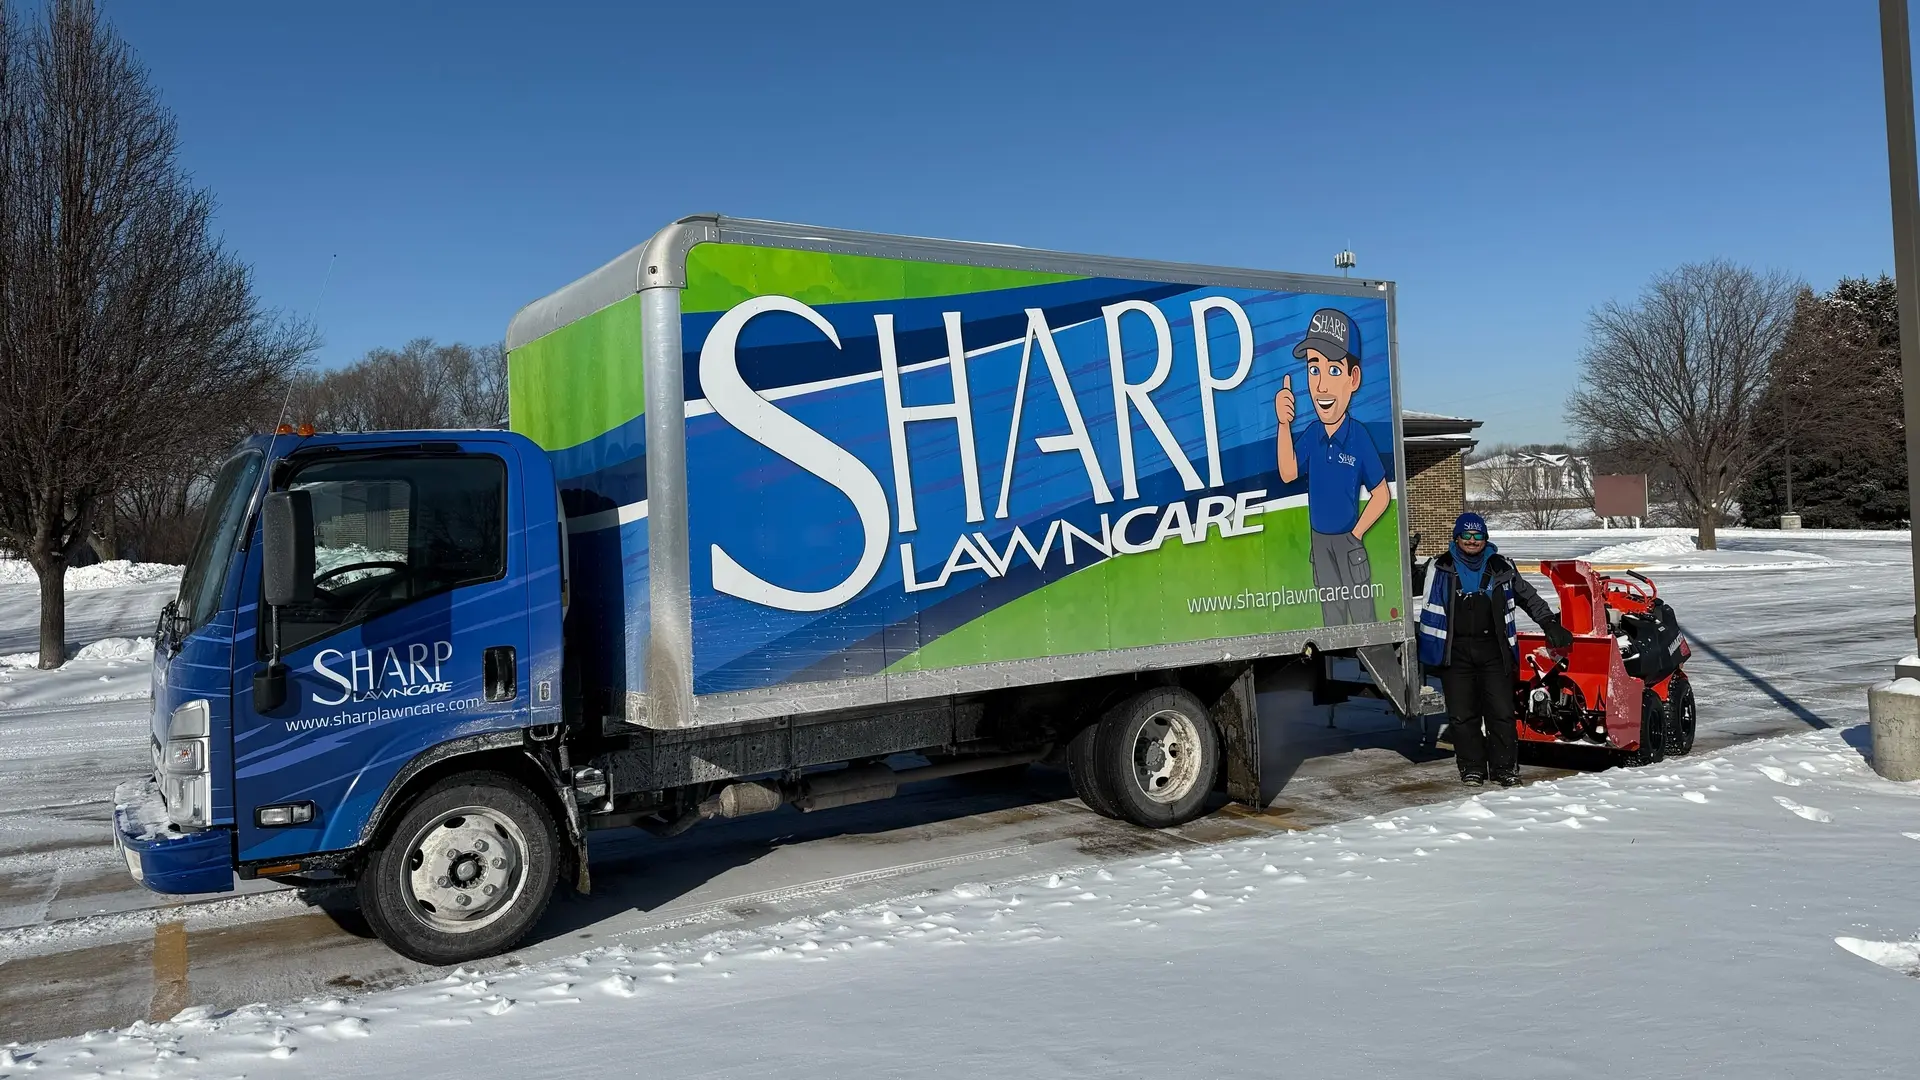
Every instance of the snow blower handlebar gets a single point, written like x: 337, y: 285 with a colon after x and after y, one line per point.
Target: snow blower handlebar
x: 1630, y: 597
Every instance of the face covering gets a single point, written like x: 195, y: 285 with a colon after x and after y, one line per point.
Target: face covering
x: 1471, y: 568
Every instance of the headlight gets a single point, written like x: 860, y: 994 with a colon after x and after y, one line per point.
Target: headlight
x: 185, y: 785
x: 191, y: 720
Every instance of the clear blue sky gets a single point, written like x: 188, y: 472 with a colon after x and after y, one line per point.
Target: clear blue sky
x: 1510, y: 165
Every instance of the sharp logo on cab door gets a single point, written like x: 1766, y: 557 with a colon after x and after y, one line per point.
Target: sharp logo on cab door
x: 370, y: 674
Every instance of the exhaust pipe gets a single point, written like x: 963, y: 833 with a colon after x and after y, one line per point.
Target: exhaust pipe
x: 862, y: 783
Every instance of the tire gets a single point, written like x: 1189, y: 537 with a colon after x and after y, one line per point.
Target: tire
x: 482, y: 824
x: 1157, y: 756
x: 1081, y: 771
x: 1653, y: 732
x: 1682, y: 718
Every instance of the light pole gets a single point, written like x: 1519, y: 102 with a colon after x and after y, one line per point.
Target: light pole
x: 1894, y: 708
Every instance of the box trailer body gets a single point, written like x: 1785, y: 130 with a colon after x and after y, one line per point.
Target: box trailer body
x: 785, y: 495
x: 775, y: 499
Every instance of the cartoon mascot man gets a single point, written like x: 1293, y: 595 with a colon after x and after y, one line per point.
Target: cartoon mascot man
x: 1340, y: 462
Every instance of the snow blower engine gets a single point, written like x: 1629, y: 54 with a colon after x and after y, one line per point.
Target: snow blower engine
x: 1621, y: 685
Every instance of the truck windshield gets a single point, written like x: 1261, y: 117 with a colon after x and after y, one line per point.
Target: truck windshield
x: 219, y: 535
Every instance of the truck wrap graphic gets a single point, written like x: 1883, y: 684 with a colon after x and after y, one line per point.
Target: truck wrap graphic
x: 906, y: 466
x: 580, y: 394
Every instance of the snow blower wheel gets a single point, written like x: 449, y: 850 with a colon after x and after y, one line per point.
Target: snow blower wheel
x: 1682, y: 718
x: 1653, y: 733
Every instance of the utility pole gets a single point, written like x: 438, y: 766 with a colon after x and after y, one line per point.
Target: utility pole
x: 1897, y: 66
x: 1894, y: 708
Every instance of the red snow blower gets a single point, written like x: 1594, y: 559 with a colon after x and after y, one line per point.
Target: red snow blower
x: 1621, y: 684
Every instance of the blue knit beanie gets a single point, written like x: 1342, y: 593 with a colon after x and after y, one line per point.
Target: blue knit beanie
x: 1469, y: 520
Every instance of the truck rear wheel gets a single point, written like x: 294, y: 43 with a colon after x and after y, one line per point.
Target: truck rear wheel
x: 466, y: 872
x: 1080, y: 770
x: 1155, y: 758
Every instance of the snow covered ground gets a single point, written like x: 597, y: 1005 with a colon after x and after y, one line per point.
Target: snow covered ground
x: 64, y: 734
x: 112, y: 669
x: 1749, y: 913
x: 113, y: 574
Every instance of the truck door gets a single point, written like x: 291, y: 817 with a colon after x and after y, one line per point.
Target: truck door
x: 416, y: 635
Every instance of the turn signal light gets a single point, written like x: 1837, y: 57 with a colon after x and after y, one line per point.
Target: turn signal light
x: 284, y: 814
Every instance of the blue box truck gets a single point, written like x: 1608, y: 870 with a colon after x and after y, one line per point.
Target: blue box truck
x: 776, y: 505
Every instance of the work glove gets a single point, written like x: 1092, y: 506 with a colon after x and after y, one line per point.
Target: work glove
x: 1557, y: 636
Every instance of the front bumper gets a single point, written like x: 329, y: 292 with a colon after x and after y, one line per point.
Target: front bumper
x: 162, y: 856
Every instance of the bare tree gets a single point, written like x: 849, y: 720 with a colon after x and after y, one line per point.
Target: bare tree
x: 129, y: 338
x: 1520, y: 488
x: 1538, y: 485
x: 1677, y: 377
x: 420, y: 385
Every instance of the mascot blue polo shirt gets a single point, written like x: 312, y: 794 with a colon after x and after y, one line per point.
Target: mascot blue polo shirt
x: 1338, y: 467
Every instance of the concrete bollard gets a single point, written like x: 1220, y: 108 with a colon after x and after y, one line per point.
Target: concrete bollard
x: 1893, y: 712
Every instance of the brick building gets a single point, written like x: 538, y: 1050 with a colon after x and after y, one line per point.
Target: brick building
x: 1436, y: 488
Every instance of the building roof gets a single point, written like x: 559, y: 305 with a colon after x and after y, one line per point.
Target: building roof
x: 1415, y: 424
x: 1437, y: 430
x: 1523, y: 458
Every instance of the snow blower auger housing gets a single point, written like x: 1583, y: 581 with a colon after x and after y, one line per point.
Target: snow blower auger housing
x: 1621, y: 685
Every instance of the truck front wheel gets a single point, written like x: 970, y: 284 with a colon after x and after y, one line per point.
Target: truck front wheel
x: 1156, y: 756
x: 466, y: 872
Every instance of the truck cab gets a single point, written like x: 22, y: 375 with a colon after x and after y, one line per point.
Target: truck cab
x: 423, y: 588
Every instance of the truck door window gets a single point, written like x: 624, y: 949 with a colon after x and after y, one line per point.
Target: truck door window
x: 390, y: 531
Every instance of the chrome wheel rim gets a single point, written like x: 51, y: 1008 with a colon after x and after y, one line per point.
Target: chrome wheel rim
x: 465, y: 869
x: 1166, y: 756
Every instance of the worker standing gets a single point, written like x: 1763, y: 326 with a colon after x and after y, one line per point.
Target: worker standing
x: 1467, y: 631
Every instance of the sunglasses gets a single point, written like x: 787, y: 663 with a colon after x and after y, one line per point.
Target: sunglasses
x: 1473, y: 535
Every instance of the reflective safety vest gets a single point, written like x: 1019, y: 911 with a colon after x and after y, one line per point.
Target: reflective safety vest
x: 1435, y: 649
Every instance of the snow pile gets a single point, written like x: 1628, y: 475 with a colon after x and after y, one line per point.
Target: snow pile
x: 1676, y: 552
x: 141, y: 801
x: 110, y: 651
x: 113, y: 669
x: 113, y: 574
x: 1639, y: 551
x: 1741, y: 560
x: 1673, y: 902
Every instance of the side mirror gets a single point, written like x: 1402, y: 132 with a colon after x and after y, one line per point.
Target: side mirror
x: 286, y: 554
x: 270, y: 687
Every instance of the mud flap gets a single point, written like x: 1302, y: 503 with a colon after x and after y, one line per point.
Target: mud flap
x: 1236, y: 715
x: 576, y: 834
x: 1383, y: 662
